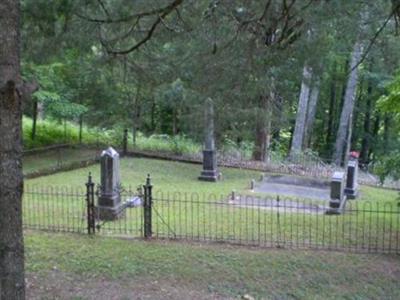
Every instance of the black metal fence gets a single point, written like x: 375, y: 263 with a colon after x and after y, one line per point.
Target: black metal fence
x: 236, y: 219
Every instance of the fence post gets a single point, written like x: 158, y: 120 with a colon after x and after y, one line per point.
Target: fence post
x: 147, y: 206
x: 91, y: 221
x: 125, y: 142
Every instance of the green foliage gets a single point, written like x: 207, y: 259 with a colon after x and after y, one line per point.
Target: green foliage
x: 56, y: 97
x: 391, y: 101
x: 165, y: 143
x: 388, y: 166
x: 233, y: 53
x: 50, y: 132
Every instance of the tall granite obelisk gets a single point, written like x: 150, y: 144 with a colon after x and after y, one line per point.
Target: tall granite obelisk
x: 210, y: 172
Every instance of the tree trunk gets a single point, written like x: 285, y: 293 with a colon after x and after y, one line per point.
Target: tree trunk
x: 373, y: 149
x: 34, y: 119
x: 331, y: 115
x: 356, y: 113
x: 367, y: 127
x: 386, y: 134
x: 12, y: 285
x: 80, y: 128
x: 277, y: 121
x: 348, y: 104
x: 312, y: 109
x: 298, y: 135
x: 153, y: 116
x: 136, y: 114
x: 262, y: 132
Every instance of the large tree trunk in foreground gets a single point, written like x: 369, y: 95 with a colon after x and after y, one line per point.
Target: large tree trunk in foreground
x: 348, y: 105
x: 298, y: 135
x: 12, y: 284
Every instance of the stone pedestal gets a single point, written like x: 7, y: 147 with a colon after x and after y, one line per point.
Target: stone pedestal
x: 351, y: 189
x: 210, y: 172
x: 338, y: 198
x: 109, y: 205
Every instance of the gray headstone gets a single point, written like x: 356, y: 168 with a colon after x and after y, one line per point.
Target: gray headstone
x: 210, y: 172
x: 109, y: 203
x: 351, y: 189
x: 337, y: 185
x: 336, y: 204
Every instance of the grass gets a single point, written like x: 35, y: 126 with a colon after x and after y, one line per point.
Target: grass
x: 50, y: 132
x: 79, y: 267
x: 185, y: 207
x: 56, y: 158
x: 167, y: 176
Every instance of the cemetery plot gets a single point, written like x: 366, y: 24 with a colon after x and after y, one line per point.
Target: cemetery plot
x: 211, y: 214
x: 292, y: 186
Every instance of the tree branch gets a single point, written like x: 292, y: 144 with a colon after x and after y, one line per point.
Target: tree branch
x: 153, y: 12
x: 375, y: 37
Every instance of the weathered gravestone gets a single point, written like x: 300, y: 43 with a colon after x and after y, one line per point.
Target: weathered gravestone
x: 351, y: 189
x: 210, y: 172
x: 338, y: 198
x: 109, y: 203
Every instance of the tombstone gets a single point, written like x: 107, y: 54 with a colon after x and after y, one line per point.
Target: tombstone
x: 109, y: 203
x: 338, y: 198
x: 252, y: 185
x: 351, y: 189
x: 210, y: 172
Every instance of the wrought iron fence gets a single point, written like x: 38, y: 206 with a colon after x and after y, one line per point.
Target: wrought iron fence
x: 276, y: 222
x: 61, y: 209
x: 266, y: 221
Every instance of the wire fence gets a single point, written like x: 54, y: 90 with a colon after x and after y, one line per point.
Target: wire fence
x: 236, y: 219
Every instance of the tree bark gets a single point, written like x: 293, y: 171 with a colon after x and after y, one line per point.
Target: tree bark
x: 331, y: 115
x: 386, y: 133
x: 80, y: 128
x: 263, y: 128
x: 373, y: 149
x: 34, y: 119
x: 277, y: 121
x: 365, y: 144
x: 348, y: 104
x: 311, y: 111
x: 12, y: 285
x: 298, y: 135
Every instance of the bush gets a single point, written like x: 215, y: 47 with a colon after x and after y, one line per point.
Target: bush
x: 388, y: 166
x: 52, y: 132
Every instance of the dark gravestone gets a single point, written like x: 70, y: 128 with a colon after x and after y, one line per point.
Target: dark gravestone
x: 351, y: 189
x: 109, y: 203
x: 210, y: 172
x: 338, y: 198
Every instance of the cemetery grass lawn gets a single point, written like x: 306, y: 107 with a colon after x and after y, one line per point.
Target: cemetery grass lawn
x: 65, y: 266
x: 167, y: 176
x: 52, y: 158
